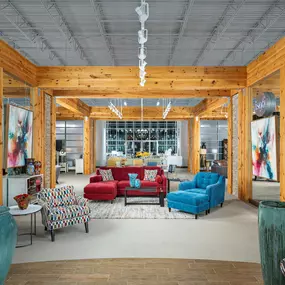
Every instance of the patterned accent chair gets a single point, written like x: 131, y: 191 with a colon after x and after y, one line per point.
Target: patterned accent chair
x: 61, y: 208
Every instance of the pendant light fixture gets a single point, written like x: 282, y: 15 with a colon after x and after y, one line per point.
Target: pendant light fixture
x: 143, y: 13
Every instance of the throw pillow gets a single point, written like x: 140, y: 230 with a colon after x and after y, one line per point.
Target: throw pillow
x: 158, y: 179
x: 150, y: 175
x: 106, y: 174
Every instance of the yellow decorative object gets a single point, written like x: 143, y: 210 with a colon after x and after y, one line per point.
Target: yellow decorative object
x: 142, y: 154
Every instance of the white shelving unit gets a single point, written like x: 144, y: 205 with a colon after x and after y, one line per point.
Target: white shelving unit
x: 21, y: 184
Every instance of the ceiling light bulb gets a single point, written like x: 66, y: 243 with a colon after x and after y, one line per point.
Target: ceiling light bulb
x: 157, y: 103
x: 197, y: 118
x: 125, y: 103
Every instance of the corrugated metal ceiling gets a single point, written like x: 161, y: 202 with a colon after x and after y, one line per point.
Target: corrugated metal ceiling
x: 106, y: 30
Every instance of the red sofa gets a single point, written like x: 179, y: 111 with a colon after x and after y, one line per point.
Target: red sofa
x: 109, y: 190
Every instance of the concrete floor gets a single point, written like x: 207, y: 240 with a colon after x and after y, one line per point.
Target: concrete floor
x: 265, y: 190
x: 228, y: 233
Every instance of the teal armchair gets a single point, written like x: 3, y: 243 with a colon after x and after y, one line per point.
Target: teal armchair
x: 211, y: 184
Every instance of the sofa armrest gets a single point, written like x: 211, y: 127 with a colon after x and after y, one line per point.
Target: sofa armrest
x: 164, y: 182
x: 216, y: 192
x: 96, y: 178
x: 187, y: 185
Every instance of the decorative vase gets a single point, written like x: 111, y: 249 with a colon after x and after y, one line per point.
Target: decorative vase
x: 38, y: 166
x: 271, y: 222
x: 137, y: 183
x: 30, y: 169
x: 8, y: 239
x: 23, y: 201
x: 132, y: 177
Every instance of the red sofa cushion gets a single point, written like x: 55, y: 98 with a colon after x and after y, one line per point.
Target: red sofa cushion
x: 107, y: 187
x: 123, y: 184
x: 159, y: 170
x: 145, y: 184
x: 121, y: 173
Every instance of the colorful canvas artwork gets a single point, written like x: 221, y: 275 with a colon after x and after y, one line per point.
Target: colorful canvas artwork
x: 264, y: 150
x: 19, y: 136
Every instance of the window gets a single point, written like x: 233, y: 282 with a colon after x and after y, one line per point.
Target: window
x: 213, y: 132
x: 71, y: 133
x: 131, y: 137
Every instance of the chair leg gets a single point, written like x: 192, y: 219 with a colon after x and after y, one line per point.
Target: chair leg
x: 222, y: 205
x: 209, y: 211
x: 206, y: 212
x: 196, y: 217
x: 52, y: 234
x: 45, y: 228
x: 112, y: 201
x: 169, y: 209
x: 86, y: 227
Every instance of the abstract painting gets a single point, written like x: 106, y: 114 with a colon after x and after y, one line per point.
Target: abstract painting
x: 264, y: 150
x: 19, y: 136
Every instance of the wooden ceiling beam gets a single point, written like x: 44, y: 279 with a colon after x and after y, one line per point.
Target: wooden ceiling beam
x: 142, y: 93
x: 267, y: 63
x: 74, y: 105
x: 208, y: 105
x: 14, y: 63
x: 148, y: 112
x: 122, y: 79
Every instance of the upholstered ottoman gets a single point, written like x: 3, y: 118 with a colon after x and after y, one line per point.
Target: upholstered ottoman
x: 106, y: 191
x: 193, y: 203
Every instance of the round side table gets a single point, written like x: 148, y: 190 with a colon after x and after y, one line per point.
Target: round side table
x: 31, y: 210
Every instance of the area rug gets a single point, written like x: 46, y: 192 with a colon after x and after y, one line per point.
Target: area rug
x: 118, y: 210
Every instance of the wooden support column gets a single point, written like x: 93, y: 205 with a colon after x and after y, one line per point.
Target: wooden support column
x: 195, y: 145
x: 43, y: 133
x: 87, y: 159
x: 244, y: 144
x: 94, y: 146
x: 1, y: 138
x: 36, y: 102
x: 230, y: 147
x: 53, y: 144
x: 282, y: 134
x: 189, y: 144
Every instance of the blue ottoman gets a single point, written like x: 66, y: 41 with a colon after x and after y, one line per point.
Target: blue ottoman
x: 189, y: 202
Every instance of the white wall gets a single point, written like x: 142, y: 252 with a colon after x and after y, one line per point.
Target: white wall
x: 100, y: 143
x: 183, y: 137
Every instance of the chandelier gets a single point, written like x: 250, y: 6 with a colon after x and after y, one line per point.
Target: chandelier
x: 143, y: 13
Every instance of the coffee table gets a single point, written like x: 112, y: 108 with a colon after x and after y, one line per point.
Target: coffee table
x: 145, y: 190
x: 31, y: 210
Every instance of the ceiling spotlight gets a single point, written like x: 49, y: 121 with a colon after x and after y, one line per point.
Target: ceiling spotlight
x: 143, y: 11
x: 142, y: 53
x: 197, y: 118
x: 157, y: 103
x: 125, y: 103
x: 142, y: 36
x: 142, y: 64
x: 142, y: 74
x: 143, y: 81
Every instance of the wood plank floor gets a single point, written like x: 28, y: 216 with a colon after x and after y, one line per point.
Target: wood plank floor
x: 135, y: 272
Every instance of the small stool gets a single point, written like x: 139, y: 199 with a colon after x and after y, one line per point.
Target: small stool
x: 193, y: 203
